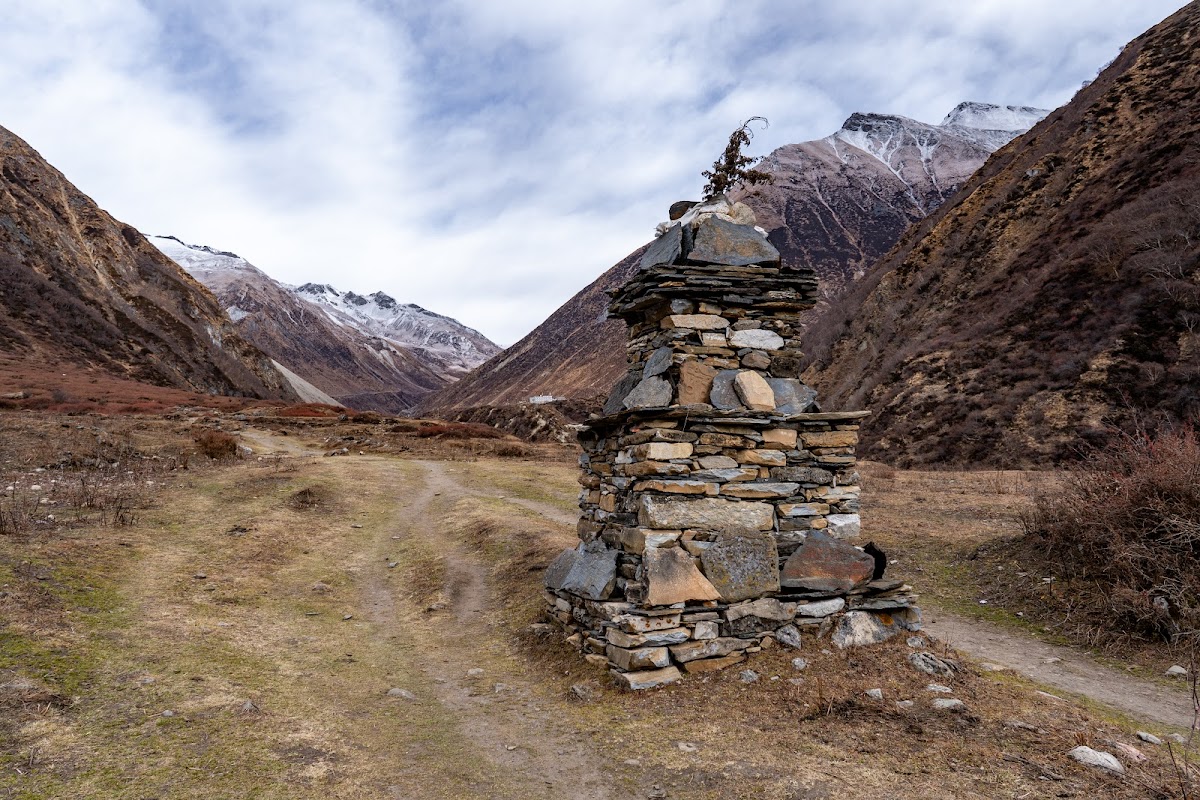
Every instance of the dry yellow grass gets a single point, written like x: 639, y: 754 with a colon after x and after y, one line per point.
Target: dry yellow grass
x: 272, y: 630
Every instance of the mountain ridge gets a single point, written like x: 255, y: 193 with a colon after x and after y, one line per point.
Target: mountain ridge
x: 79, y: 286
x: 360, y: 360
x: 833, y: 206
x: 1055, y: 296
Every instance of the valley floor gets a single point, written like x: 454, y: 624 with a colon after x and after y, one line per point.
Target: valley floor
x: 358, y: 627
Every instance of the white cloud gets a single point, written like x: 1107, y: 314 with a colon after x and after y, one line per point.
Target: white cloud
x: 486, y: 159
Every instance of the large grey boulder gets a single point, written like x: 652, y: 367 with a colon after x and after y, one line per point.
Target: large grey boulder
x: 719, y: 241
x: 742, y: 565
x: 666, y: 249
x: 593, y: 575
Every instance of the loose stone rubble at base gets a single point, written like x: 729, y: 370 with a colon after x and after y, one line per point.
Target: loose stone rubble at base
x: 719, y: 501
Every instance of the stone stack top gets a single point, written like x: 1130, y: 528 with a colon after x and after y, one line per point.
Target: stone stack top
x: 715, y: 255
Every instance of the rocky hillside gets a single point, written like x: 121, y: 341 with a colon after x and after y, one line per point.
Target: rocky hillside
x: 837, y: 204
x: 1057, y: 293
x: 80, y: 287
x: 364, y: 352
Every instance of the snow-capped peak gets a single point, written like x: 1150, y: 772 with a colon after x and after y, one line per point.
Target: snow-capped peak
x: 990, y: 117
x: 198, y: 259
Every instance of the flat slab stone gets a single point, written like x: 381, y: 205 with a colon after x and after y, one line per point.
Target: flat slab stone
x: 648, y: 679
x: 594, y: 573
x: 844, y: 526
x: 761, y: 490
x: 712, y: 664
x: 654, y: 638
x: 754, y: 391
x: 708, y: 513
x: 757, y: 339
x: 642, y: 658
x: 742, y: 565
x: 813, y: 475
x: 696, y: 322
x: 723, y: 395
x: 820, y: 609
x: 652, y: 392
x: 658, y: 362
x: 708, y: 648
x: 672, y: 577
x: 695, y: 383
x: 666, y: 249
x: 759, y: 616
x: 616, y: 398
x: 792, y: 396
x: 560, y: 567
x: 825, y: 564
x: 718, y: 241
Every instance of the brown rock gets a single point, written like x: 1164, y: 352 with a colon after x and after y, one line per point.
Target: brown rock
x: 830, y: 439
x: 655, y: 468
x: 756, y: 359
x: 662, y: 451
x: 761, y: 458
x: 695, y: 382
x: 760, y: 491
x: 754, y: 391
x: 681, y: 207
x: 671, y: 577
x: 642, y: 658
x: 824, y: 564
x: 711, y: 664
x: 675, y: 487
x: 708, y: 648
x: 783, y: 436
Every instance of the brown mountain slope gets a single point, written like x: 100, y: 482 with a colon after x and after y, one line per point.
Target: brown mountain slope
x: 837, y: 204
x: 76, y: 285
x: 357, y: 370
x: 1059, y: 291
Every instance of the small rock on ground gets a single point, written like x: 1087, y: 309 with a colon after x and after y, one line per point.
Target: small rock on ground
x: 1097, y: 758
x: 874, y: 694
x: 1130, y: 752
x: 799, y: 663
x: 939, y: 688
x: 1177, y: 672
x: 949, y: 704
x: 398, y: 692
x: 1149, y: 738
x: 748, y: 676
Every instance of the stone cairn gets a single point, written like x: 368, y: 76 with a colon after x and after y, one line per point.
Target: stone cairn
x: 718, y: 500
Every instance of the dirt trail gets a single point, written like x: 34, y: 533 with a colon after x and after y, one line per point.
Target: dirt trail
x: 499, y: 712
x: 1061, y: 667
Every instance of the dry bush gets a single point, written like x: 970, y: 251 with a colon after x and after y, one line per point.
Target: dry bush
x: 459, y: 430
x: 1125, y: 535
x: 216, y: 444
x: 311, y: 410
x: 310, y: 498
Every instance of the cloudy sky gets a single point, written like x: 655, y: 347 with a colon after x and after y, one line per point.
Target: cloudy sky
x: 487, y: 158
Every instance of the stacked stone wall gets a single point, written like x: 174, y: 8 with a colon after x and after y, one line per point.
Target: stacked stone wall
x: 718, y: 501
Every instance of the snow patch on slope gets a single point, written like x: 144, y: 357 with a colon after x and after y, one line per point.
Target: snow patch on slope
x: 307, y: 392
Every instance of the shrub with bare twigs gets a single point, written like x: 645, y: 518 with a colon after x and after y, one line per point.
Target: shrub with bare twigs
x: 1125, y: 534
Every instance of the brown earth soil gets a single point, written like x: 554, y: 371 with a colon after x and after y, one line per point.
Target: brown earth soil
x: 269, y: 606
